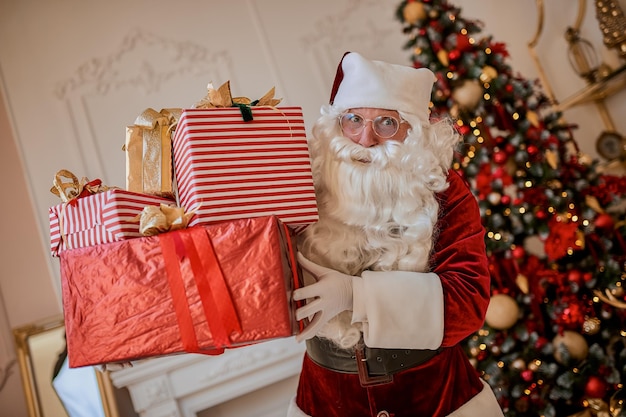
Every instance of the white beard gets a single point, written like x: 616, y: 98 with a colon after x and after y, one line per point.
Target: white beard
x: 376, y: 215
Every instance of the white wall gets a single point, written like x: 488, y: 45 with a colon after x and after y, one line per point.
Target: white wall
x: 74, y: 73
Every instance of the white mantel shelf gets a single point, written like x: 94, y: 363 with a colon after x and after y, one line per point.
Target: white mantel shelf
x: 183, y: 385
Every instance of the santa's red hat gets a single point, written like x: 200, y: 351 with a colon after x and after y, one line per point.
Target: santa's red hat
x: 360, y: 82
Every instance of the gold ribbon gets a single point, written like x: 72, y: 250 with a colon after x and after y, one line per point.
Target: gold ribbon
x: 70, y: 191
x: 149, y: 152
x: 154, y: 220
x: 73, y: 189
x: 222, y: 97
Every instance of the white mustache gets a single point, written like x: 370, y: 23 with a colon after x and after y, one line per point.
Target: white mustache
x: 350, y: 152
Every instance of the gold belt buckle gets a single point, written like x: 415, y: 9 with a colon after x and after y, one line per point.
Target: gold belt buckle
x: 364, y: 377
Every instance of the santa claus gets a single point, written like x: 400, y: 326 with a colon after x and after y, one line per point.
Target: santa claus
x: 396, y: 265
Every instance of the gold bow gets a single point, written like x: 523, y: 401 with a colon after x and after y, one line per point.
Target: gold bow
x: 154, y: 220
x: 150, y: 118
x: 70, y: 190
x: 222, y: 97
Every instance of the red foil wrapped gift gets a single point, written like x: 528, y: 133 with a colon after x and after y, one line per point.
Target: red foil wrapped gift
x: 197, y: 290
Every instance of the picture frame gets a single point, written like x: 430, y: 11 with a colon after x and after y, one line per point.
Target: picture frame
x: 40, y: 349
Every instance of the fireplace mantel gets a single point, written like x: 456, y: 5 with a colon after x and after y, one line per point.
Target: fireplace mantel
x: 183, y: 385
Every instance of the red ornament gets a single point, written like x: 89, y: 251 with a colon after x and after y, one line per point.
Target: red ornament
x: 575, y: 276
x: 505, y: 199
x: 454, y: 54
x: 500, y: 157
x: 527, y: 375
x: 541, y: 214
x: 596, y: 387
x: 541, y: 342
x: 561, y: 239
x: 532, y: 150
x: 519, y: 252
x: 462, y: 42
x: 572, y: 316
x: 604, y: 222
x: 464, y: 130
x: 509, y: 148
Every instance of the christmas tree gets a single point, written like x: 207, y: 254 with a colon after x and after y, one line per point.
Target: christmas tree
x: 554, y: 338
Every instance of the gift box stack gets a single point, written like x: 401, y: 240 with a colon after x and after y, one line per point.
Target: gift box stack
x: 197, y: 252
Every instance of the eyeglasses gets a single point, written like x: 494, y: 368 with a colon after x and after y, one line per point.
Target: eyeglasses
x: 384, y: 126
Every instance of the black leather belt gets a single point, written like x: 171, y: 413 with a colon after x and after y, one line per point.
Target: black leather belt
x: 374, y: 365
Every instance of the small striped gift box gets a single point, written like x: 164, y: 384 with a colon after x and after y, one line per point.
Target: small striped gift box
x: 98, y: 218
x: 227, y: 168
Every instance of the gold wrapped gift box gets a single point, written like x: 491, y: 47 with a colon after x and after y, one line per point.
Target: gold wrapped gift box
x: 149, y: 153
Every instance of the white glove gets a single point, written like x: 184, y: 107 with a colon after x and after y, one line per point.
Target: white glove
x: 115, y: 366
x: 331, y: 294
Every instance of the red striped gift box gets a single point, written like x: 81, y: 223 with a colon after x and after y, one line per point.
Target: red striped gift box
x: 227, y: 168
x: 98, y: 218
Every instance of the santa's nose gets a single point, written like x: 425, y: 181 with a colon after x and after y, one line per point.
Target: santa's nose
x: 367, y: 138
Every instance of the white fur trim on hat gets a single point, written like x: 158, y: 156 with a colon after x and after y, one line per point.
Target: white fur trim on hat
x: 364, y: 83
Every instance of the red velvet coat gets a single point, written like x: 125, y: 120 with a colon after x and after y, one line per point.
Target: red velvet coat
x: 448, y: 381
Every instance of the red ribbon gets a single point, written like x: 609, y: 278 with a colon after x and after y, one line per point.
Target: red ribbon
x: 294, y: 271
x: 216, y: 300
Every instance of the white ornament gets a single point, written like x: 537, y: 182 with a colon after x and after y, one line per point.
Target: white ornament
x: 502, y: 312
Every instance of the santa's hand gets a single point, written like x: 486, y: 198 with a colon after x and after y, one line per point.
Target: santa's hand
x: 330, y: 295
x: 115, y: 366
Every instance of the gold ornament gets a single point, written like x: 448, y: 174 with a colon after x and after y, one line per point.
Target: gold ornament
x: 612, y: 24
x: 593, y: 202
x: 488, y: 74
x: 522, y: 282
x: 442, y: 56
x: 575, y: 344
x: 591, y: 325
x: 533, y: 118
x: 502, y: 312
x: 468, y: 94
x: 552, y: 158
x: 414, y: 12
